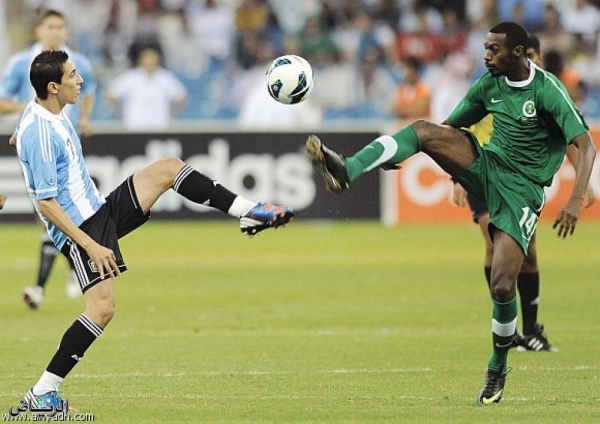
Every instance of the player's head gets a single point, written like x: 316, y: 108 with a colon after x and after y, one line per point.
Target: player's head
x: 505, y: 48
x: 51, y: 29
x: 53, y: 74
x: 534, y: 52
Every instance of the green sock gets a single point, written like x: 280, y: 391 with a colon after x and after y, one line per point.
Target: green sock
x: 504, y: 324
x: 385, y: 149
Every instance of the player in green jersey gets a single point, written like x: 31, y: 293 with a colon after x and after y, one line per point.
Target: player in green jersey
x: 534, y: 121
x: 533, y: 337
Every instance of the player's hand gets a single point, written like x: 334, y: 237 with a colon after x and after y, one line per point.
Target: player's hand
x: 2, y: 200
x: 567, y: 218
x: 459, y: 197
x: 589, y: 197
x: 105, y: 260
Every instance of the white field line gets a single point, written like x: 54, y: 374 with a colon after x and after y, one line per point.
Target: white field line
x: 259, y: 373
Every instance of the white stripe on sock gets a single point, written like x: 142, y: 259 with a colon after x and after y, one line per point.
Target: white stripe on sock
x: 390, y: 147
x: 504, y: 330
x: 182, y: 175
x: 90, y: 325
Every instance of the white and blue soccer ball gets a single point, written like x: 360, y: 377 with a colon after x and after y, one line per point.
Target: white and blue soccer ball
x: 290, y: 79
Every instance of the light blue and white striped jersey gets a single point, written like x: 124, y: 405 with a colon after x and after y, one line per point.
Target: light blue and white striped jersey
x: 50, y: 153
x: 15, y: 83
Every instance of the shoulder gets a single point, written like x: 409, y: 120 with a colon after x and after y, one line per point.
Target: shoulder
x: 80, y: 60
x: 19, y: 60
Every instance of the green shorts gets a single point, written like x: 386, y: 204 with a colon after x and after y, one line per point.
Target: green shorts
x: 514, y: 202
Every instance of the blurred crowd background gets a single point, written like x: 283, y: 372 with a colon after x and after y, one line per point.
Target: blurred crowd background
x: 373, y: 59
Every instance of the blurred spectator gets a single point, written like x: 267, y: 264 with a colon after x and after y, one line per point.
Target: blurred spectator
x: 554, y: 63
x: 214, y: 27
x: 251, y: 16
x: 552, y: 34
x: 387, y: 12
x: 52, y: 33
x: 583, y: 19
x: 377, y: 35
x: 119, y: 33
x: 147, y: 96
x: 528, y: 13
x: 334, y: 85
x: 413, y: 97
x: 316, y: 42
x: 182, y: 50
x: 455, y: 33
x: 375, y: 87
x: 421, y: 16
x: 483, y: 15
x: 453, y: 84
x: 293, y: 20
x: 421, y: 40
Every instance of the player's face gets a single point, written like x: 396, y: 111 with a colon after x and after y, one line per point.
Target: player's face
x: 70, y: 84
x: 498, y: 57
x: 52, y: 33
x: 535, y: 57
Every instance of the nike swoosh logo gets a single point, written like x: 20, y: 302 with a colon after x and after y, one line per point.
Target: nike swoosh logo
x: 493, y: 399
x: 496, y: 100
x: 504, y: 345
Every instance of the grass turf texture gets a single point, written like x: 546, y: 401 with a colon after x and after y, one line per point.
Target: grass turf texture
x: 349, y: 322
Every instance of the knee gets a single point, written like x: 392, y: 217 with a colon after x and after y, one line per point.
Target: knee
x: 102, y: 312
x: 426, y: 130
x: 168, y: 168
x: 503, y: 288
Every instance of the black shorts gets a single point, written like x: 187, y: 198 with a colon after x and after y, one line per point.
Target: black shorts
x: 478, y: 208
x: 120, y: 215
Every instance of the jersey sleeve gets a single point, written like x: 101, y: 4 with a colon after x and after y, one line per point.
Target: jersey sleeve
x: 563, y: 110
x: 40, y: 153
x: 12, y: 79
x: 471, y: 109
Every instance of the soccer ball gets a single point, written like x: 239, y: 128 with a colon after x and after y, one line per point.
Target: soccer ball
x: 290, y: 79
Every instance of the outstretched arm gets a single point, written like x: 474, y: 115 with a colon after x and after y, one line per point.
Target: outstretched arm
x: 589, y: 198
x: 569, y: 214
x: 103, y: 257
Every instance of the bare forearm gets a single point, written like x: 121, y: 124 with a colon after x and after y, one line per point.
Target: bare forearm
x: 572, y: 154
x: 87, y: 107
x: 584, y: 162
x: 7, y: 106
x: 57, y: 216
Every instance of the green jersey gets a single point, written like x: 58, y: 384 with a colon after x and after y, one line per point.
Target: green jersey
x: 534, y: 121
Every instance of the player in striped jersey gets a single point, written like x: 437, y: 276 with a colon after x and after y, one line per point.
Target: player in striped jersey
x: 533, y: 337
x: 84, y: 224
x: 534, y: 121
x: 51, y: 30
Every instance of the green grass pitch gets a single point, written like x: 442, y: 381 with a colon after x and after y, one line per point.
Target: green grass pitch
x: 318, y: 322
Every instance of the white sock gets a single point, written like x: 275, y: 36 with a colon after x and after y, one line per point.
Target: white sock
x: 48, y: 383
x: 240, y: 207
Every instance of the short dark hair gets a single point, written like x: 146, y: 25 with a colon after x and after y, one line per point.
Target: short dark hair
x: 47, y: 67
x: 516, y: 35
x: 533, y: 42
x: 414, y: 63
x: 43, y: 14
